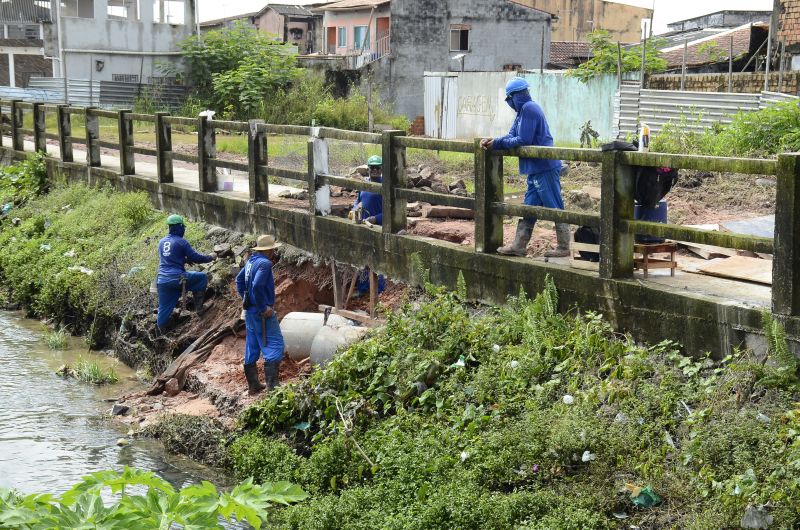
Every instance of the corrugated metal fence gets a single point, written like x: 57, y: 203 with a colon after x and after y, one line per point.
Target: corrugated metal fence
x: 106, y: 94
x: 700, y: 109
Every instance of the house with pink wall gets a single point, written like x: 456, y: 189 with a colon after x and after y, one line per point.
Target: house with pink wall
x: 357, y: 27
x: 288, y: 23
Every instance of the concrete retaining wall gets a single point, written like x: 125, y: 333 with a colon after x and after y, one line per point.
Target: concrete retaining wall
x: 650, y: 312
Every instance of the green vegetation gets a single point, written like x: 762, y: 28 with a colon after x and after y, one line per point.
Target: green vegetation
x: 56, y: 339
x: 243, y: 73
x: 21, y: 182
x: 605, y: 57
x: 82, y: 256
x: 763, y: 133
x: 236, y: 68
x: 543, y: 425
x: 91, y: 372
x: 143, y: 500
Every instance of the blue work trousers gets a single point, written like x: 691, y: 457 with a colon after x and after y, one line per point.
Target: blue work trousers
x: 255, y: 345
x: 169, y: 292
x: 544, y: 189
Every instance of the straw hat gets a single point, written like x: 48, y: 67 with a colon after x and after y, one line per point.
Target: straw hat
x: 266, y: 242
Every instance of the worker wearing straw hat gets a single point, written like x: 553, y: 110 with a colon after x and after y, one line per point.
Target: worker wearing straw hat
x: 256, y: 285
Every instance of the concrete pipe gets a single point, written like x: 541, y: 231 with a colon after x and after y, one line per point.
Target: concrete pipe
x: 329, y: 340
x: 299, y: 330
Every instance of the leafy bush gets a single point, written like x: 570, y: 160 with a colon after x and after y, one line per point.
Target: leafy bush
x: 237, y: 68
x: 23, y: 181
x: 550, y: 416
x: 158, y: 505
x: 763, y: 133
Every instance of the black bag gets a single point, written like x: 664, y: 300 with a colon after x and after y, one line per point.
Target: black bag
x: 589, y: 236
x: 652, y: 184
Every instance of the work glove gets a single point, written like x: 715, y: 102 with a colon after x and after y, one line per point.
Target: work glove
x: 351, y: 215
x: 268, y: 312
x: 372, y: 220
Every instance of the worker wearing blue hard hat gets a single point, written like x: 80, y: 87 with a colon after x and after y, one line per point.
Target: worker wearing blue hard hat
x: 530, y: 128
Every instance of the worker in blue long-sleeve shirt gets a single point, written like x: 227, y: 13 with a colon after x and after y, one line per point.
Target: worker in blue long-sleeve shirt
x: 544, y: 176
x: 174, y: 253
x: 256, y: 285
x: 371, y: 206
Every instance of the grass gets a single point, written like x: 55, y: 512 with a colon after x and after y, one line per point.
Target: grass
x: 91, y: 372
x: 56, y: 339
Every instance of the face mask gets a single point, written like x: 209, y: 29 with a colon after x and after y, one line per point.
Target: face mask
x: 510, y: 101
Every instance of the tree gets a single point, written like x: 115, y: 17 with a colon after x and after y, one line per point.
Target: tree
x: 234, y: 69
x: 604, y: 57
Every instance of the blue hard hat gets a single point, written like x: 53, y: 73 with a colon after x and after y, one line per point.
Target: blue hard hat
x: 518, y: 84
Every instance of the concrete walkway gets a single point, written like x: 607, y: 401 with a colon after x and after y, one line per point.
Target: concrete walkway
x: 720, y: 290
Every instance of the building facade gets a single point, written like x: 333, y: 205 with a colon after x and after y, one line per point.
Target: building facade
x: 575, y: 19
x: 397, y: 41
x: 100, y: 40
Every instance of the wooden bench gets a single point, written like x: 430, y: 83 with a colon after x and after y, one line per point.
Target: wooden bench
x: 642, y: 256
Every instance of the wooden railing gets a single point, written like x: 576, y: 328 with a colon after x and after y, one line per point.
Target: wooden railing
x: 615, y: 220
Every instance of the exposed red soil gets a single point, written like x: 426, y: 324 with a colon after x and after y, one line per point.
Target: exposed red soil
x: 217, y: 388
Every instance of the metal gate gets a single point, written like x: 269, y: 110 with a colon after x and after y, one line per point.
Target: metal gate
x: 441, y: 100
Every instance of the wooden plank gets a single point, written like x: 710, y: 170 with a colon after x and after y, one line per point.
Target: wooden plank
x: 740, y: 268
x: 352, y: 315
x: 450, y: 212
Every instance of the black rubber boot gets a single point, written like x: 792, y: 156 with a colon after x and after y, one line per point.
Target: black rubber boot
x: 271, y: 374
x: 254, y: 386
x: 198, y: 298
x: 563, y: 236
x: 520, y: 245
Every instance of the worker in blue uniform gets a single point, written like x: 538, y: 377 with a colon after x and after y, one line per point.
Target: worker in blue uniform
x: 370, y: 207
x: 256, y: 285
x: 544, y: 176
x: 174, y: 254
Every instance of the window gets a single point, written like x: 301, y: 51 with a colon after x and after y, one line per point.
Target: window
x: 125, y: 78
x: 360, y: 37
x: 123, y: 9
x: 169, y: 12
x: 342, y: 40
x: 77, y: 8
x: 459, y: 38
x: 22, y: 31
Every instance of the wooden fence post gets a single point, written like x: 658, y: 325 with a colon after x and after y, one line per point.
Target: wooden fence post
x: 488, y: 189
x: 92, y: 136
x: 17, y: 140
x: 394, y: 176
x: 206, y: 152
x: 64, y: 133
x: 786, y: 258
x: 127, y: 164
x: 256, y: 158
x: 317, y: 164
x: 39, y: 138
x: 616, y: 204
x: 164, y: 148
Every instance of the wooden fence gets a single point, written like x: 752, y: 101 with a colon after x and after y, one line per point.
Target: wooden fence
x: 616, y: 222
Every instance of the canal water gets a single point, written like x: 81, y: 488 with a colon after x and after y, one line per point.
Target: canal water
x: 53, y: 430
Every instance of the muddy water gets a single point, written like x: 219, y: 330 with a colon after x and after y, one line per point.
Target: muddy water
x: 53, y: 431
